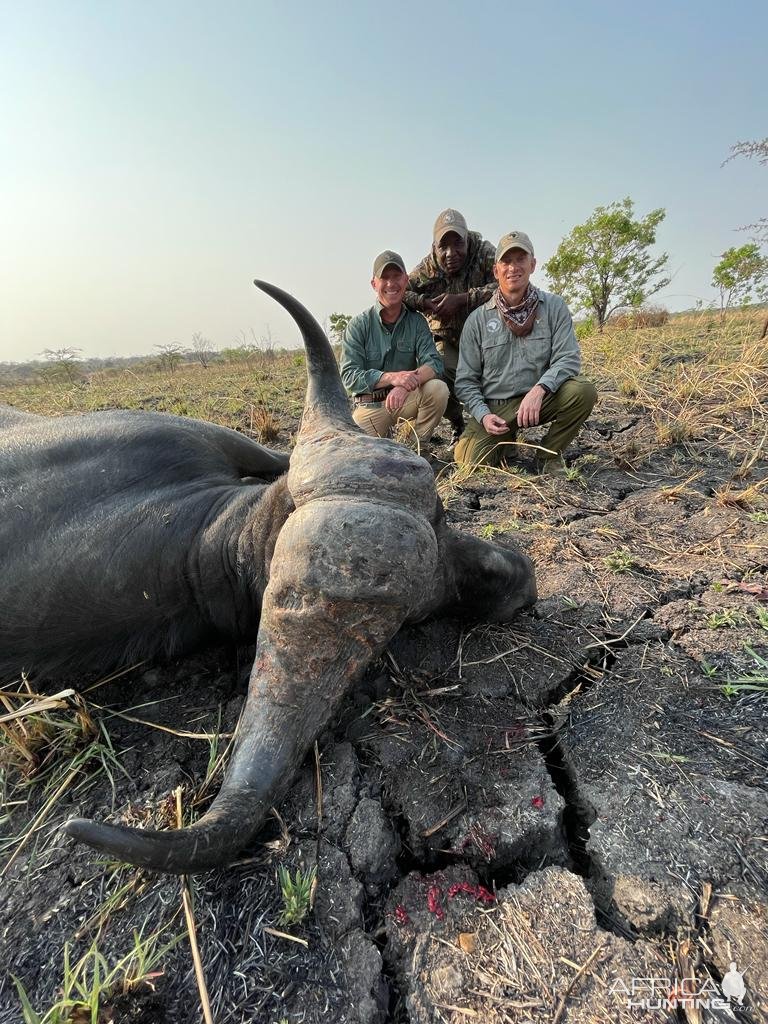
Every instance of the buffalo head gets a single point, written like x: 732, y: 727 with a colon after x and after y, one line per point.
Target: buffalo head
x: 366, y: 549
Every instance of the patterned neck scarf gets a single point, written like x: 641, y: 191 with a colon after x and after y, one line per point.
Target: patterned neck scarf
x: 521, y: 318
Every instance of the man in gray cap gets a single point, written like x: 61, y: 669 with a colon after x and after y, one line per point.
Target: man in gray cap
x: 389, y: 363
x: 519, y: 366
x: 455, y: 278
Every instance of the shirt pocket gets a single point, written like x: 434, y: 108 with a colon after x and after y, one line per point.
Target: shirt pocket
x: 406, y: 344
x: 495, y: 351
x: 537, y: 346
x: 372, y: 353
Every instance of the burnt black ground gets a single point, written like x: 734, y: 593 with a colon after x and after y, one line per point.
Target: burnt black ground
x: 595, y: 736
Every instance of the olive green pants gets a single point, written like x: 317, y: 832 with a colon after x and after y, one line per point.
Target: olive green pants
x: 566, y: 410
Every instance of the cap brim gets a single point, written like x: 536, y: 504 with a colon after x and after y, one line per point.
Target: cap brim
x: 450, y: 229
x: 509, y: 248
x: 377, y: 272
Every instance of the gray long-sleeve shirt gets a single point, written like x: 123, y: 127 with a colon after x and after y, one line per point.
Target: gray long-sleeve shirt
x: 495, y: 364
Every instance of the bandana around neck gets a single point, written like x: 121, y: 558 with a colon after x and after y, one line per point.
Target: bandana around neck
x: 521, y: 318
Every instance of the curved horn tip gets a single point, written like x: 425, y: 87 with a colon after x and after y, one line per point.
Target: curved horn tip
x: 76, y: 827
x: 265, y: 286
x: 110, y: 840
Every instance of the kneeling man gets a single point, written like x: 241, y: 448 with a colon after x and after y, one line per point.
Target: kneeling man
x: 389, y: 363
x: 519, y: 364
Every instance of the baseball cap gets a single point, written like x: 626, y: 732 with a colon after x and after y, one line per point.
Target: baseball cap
x: 449, y: 220
x: 386, y: 259
x: 514, y: 240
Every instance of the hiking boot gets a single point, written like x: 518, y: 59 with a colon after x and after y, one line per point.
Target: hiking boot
x: 551, y: 467
x: 436, y: 464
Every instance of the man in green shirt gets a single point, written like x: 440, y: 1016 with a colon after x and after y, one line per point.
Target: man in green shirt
x: 455, y: 278
x: 519, y: 365
x: 389, y: 363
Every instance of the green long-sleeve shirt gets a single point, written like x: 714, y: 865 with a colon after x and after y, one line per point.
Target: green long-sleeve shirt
x: 495, y: 364
x: 369, y: 349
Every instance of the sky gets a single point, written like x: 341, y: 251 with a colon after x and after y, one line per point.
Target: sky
x: 156, y: 157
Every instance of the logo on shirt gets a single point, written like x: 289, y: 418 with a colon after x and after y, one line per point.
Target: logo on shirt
x: 493, y: 325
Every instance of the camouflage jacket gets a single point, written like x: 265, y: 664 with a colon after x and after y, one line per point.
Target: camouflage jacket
x: 428, y: 280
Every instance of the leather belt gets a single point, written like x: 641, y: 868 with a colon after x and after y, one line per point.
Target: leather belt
x: 373, y: 396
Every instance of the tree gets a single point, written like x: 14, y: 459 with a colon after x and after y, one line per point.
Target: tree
x: 740, y: 276
x: 339, y: 323
x: 64, y: 362
x: 758, y: 149
x: 604, y: 264
x: 201, y: 349
x: 169, y: 357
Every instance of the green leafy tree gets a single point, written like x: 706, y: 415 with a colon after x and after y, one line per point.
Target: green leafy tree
x: 605, y: 263
x: 338, y: 325
x: 741, y: 276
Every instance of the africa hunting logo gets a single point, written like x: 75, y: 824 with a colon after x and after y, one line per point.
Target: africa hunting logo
x: 680, y: 993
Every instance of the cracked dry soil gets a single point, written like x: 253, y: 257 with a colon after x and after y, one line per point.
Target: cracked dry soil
x: 509, y: 823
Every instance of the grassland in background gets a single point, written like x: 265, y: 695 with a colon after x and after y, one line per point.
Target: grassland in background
x: 689, y: 375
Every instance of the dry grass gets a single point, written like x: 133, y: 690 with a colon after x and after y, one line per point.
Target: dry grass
x: 694, y: 378
x: 637, y: 319
x: 254, y: 403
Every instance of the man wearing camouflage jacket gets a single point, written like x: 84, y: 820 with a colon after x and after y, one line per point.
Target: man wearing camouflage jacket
x: 454, y: 279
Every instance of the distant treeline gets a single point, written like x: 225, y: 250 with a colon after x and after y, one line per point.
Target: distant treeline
x: 69, y: 362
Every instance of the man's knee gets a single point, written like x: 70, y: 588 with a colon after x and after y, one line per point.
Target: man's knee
x: 436, y: 392
x: 578, y: 393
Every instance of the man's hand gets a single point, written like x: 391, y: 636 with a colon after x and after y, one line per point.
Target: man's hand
x: 529, y: 412
x: 396, y: 399
x: 408, y: 379
x: 493, y: 424
x: 447, y: 305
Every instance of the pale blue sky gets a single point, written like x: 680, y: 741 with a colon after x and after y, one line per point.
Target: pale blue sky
x: 155, y: 158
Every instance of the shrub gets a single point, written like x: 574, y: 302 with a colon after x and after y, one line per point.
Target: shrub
x: 637, y: 319
x: 585, y: 327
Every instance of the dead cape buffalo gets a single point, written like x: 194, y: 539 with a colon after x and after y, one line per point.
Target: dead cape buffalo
x: 128, y: 535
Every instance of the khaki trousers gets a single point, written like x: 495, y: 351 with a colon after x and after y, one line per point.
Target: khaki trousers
x: 566, y: 410
x: 424, y: 407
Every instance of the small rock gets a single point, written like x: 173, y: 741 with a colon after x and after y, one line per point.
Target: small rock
x: 370, y: 841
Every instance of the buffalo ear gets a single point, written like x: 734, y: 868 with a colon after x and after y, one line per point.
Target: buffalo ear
x: 491, y: 581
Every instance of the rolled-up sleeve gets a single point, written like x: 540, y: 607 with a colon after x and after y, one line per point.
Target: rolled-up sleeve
x: 355, y: 377
x: 469, y: 373
x: 426, y: 352
x: 565, y: 360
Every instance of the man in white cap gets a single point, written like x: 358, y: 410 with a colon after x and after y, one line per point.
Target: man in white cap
x: 455, y: 278
x: 389, y: 363
x: 519, y: 366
